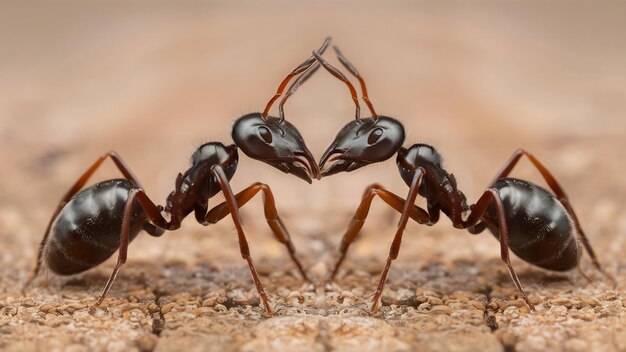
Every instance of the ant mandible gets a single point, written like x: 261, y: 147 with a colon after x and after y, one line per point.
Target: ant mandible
x: 538, y: 226
x: 89, y: 225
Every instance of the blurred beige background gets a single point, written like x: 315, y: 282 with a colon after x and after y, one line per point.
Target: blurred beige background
x: 153, y: 80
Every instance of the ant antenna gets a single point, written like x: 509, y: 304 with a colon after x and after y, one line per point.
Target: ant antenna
x: 301, y: 68
x: 355, y: 72
x: 294, y: 86
x: 335, y: 72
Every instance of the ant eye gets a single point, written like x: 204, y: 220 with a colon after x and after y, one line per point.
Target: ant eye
x: 374, y: 135
x: 265, y: 134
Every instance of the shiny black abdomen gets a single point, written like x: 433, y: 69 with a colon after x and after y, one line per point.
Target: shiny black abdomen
x: 541, y: 231
x: 87, y: 230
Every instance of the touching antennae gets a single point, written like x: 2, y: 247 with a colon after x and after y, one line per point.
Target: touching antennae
x: 294, y: 86
x: 301, y: 68
x: 355, y: 72
x: 335, y: 72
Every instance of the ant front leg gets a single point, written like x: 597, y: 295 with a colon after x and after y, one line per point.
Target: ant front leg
x: 416, y: 213
x: 560, y: 194
x: 474, y: 217
x: 231, y: 202
x: 407, y: 209
x: 78, y: 185
x: 271, y: 215
x: 397, y: 239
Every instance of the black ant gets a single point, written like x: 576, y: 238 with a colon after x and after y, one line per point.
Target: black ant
x: 538, y: 226
x: 88, y: 226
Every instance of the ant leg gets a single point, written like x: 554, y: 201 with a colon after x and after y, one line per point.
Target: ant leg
x: 478, y: 228
x: 152, y: 230
x: 298, y: 70
x: 356, y: 74
x: 279, y: 230
x: 583, y: 273
x: 335, y: 72
x: 416, y: 213
x: 231, y: 201
x: 78, y: 185
x: 124, y: 238
x: 135, y: 194
x: 397, y: 239
x: 503, y: 233
x: 561, y: 196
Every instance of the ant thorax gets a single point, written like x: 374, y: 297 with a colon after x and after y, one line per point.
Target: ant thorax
x: 451, y: 200
x: 438, y: 186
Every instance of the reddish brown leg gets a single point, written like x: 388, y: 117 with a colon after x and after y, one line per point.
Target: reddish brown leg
x: 124, y: 238
x: 583, y: 273
x: 154, y: 215
x: 78, y: 185
x: 476, y: 214
x: 335, y: 72
x: 356, y: 73
x: 397, y: 239
x: 301, y: 68
x: 271, y: 215
x: 416, y: 213
x: 559, y: 192
x: 231, y: 201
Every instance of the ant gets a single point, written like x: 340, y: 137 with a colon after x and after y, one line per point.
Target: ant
x: 538, y: 226
x: 89, y: 225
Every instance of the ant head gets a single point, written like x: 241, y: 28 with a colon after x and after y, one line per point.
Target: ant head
x: 362, y: 142
x: 418, y: 155
x: 275, y: 142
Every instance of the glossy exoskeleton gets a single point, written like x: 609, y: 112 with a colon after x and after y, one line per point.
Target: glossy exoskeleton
x: 89, y: 225
x: 538, y: 226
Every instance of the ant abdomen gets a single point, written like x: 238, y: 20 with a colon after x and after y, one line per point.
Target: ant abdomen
x: 541, y: 231
x: 86, y: 232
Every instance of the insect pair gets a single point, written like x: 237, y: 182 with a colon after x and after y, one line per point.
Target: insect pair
x: 90, y: 224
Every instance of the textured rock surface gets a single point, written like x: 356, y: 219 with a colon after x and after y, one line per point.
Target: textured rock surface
x: 477, y: 82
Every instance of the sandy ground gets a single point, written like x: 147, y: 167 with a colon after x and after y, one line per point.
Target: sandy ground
x: 154, y: 80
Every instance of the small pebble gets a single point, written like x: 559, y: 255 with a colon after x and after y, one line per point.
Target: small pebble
x: 441, y: 309
x: 146, y: 342
x: 347, y: 297
x: 167, y: 307
x: 294, y: 297
x: 559, y: 311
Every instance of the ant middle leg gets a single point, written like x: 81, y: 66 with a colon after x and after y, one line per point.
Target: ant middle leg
x: 474, y: 219
x: 274, y: 221
x: 561, y: 196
